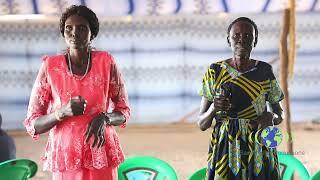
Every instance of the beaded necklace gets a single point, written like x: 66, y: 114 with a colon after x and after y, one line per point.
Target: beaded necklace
x: 87, y: 68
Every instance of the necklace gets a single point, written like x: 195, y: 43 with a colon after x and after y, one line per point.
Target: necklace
x: 87, y: 68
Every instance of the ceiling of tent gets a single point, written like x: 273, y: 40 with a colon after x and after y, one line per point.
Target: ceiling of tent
x: 152, y: 7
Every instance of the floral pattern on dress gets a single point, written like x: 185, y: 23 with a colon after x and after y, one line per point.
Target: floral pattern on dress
x: 102, y: 87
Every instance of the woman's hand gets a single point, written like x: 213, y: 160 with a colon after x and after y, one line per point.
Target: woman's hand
x: 221, y: 103
x: 96, y: 128
x: 76, y: 106
x: 206, y: 114
x: 265, y: 120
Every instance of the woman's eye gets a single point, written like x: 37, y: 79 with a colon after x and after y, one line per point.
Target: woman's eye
x: 83, y: 28
x: 68, y: 28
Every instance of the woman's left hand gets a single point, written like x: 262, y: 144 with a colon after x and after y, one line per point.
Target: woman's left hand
x: 265, y: 120
x: 96, y: 129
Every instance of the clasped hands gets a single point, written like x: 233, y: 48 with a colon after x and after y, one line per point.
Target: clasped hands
x: 75, y: 107
x: 222, y: 103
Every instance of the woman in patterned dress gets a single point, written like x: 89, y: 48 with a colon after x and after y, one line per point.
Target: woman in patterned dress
x: 236, y: 93
x: 78, y: 97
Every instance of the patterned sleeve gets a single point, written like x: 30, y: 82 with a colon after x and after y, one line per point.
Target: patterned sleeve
x: 117, y: 92
x: 208, y: 81
x: 275, y: 95
x: 39, y: 100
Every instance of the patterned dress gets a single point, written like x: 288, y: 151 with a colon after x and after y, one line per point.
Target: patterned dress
x: 103, y: 88
x: 233, y: 151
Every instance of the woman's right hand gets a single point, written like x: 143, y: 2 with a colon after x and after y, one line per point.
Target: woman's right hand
x: 221, y: 103
x: 75, y: 107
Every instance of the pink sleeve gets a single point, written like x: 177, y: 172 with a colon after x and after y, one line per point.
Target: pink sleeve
x: 39, y: 100
x: 117, y: 92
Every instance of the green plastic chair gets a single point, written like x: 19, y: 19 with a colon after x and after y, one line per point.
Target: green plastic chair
x: 146, y: 168
x: 289, y: 164
x: 18, y: 169
x: 199, y: 175
x: 316, y: 176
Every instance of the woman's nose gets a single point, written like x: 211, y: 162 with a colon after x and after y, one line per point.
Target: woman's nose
x: 74, y: 32
x: 241, y: 39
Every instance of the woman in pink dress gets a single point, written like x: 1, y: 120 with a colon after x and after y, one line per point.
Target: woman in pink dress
x: 78, y: 97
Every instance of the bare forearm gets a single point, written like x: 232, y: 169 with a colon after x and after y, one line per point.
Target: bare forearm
x: 205, y: 118
x: 115, y: 118
x: 45, y: 123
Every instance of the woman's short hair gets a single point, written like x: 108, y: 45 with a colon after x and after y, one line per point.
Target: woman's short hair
x: 84, y: 12
x: 248, y: 20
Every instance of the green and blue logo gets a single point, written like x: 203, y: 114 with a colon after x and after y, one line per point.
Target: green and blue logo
x: 271, y: 137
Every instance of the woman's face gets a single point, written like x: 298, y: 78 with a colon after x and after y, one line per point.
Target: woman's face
x: 241, y: 39
x: 77, y: 32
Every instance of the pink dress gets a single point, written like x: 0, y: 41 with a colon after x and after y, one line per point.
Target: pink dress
x: 104, y: 90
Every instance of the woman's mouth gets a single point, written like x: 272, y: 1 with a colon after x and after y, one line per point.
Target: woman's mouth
x: 75, y: 41
x: 241, y: 50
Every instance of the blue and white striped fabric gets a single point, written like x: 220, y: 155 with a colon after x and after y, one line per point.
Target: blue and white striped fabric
x: 162, y: 59
x: 154, y: 7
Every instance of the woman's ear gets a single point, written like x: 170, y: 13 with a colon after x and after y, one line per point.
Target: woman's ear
x: 228, y: 40
x: 255, y: 41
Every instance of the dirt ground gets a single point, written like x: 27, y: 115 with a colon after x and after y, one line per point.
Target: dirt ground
x: 182, y: 145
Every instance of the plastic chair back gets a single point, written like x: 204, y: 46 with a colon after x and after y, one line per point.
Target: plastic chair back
x: 289, y: 164
x: 145, y: 167
x: 18, y: 169
x: 199, y: 175
x: 316, y: 176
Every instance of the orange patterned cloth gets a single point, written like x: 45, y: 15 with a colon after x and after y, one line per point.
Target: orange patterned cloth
x: 104, y: 90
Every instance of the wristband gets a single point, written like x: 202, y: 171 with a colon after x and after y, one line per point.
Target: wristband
x: 56, y: 114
